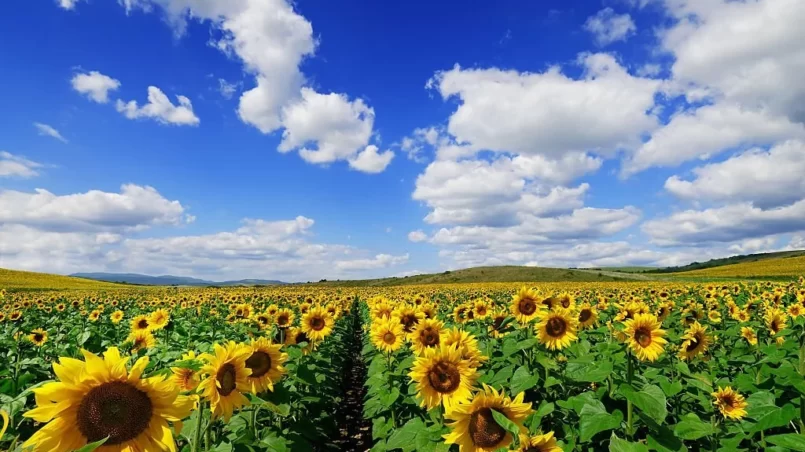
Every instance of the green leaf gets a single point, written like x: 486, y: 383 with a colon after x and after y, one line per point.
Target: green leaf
x: 390, y: 397
x: 405, y: 437
x: 650, y: 400
x: 506, y: 423
x: 620, y: 445
x: 92, y: 446
x: 691, y: 428
x: 588, y: 371
x: 522, y: 380
x: 671, y: 388
x: 595, y: 419
x: 788, y: 440
x: 763, y: 409
x: 501, y: 378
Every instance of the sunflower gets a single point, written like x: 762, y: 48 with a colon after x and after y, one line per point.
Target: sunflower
x: 387, y: 335
x: 714, y: 316
x: 284, y: 318
x: 665, y: 310
x: 427, y: 334
x: 185, y: 378
x: 588, y: 316
x: 116, y: 317
x: 644, y: 336
x: 524, y: 305
x: 539, y: 443
x: 140, y: 323
x: 38, y: 337
x: 15, y: 315
x: 265, y: 362
x: 695, y: 342
x: 480, y: 309
x: 94, y: 316
x: 731, y: 404
x: 159, y: 319
x: 408, y: 316
x: 474, y: 428
x: 566, y: 301
x: 775, y: 320
x: 141, y: 340
x: 466, y: 343
x: 296, y: 336
x: 99, y: 398
x: 498, y: 327
x: 795, y: 310
x: 317, y: 323
x: 227, y: 378
x: 442, y: 376
x: 557, y: 328
x: 749, y: 334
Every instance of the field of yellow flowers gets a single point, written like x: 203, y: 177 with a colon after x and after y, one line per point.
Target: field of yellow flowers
x: 477, y: 367
x: 787, y: 266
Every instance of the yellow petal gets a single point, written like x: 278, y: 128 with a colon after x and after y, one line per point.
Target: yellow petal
x: 4, y: 416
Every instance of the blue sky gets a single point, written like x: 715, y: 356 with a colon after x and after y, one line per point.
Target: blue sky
x: 358, y: 139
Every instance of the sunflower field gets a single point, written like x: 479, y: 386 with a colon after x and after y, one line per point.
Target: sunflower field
x: 637, y: 366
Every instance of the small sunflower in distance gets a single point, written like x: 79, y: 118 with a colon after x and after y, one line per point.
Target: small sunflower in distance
x: 730, y: 403
x: 645, y: 337
x: 588, y: 316
x: 317, y: 323
x: 749, y: 334
x: 266, y: 363
x: 443, y: 377
x: 284, y: 318
x: 116, y: 317
x: 141, y: 340
x: 539, y: 443
x: 140, y: 323
x: 38, y: 337
x: 388, y: 335
x: 99, y: 398
x: 474, y: 428
x: 776, y: 320
x: 557, y: 329
x: 159, y: 319
x: 227, y: 378
x: 525, y: 305
x: 695, y: 342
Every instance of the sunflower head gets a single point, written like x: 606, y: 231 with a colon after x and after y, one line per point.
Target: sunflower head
x: 226, y: 378
x: 427, y: 334
x: 442, y: 376
x: 474, y: 427
x: 141, y: 323
x: 387, y: 335
x: 284, y: 318
x: 317, y: 323
x: 525, y: 305
x: 141, y: 340
x: 101, y: 398
x: 557, y: 328
x: 539, y: 443
x: 38, y: 337
x: 695, y: 342
x: 159, y: 319
x: 588, y: 316
x: 266, y: 365
x: 644, y: 337
x: 749, y: 334
x: 116, y: 317
x: 730, y: 403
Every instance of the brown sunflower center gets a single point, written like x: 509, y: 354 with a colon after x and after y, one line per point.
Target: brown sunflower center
x: 282, y: 320
x: 556, y: 327
x: 408, y: 321
x: 389, y: 337
x: 481, y: 310
x: 775, y: 326
x: 728, y: 401
x: 484, y: 431
x: 444, y: 377
x: 565, y: 301
x: 317, y: 323
x: 693, y: 344
x: 259, y: 363
x: 38, y: 337
x: 643, y: 337
x: 585, y: 315
x: 497, y: 322
x: 527, y: 306
x: 115, y: 409
x: 227, y: 379
x: 142, y: 324
x: 301, y: 337
x: 429, y: 337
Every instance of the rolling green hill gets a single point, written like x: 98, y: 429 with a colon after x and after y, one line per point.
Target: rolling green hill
x: 16, y: 279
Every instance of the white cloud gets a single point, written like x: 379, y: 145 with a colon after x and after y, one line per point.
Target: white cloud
x: 47, y: 130
x: 729, y: 223
x: 414, y: 146
x: 329, y: 127
x: 371, y: 161
x: 379, y: 261
x: 766, y: 178
x: 161, y: 109
x: 707, y: 131
x: 15, y: 166
x: 608, y: 27
x: 751, y: 246
x: 227, y: 89
x: 417, y: 236
x: 549, y: 113
x: 95, y: 85
x: 67, y: 4
x: 135, y: 207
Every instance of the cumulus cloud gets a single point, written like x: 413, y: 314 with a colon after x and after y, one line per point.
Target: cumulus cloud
x: 371, y: 161
x: 415, y: 145
x: 94, y: 85
x: 16, y: 166
x: 49, y: 131
x: 160, y: 108
x: 379, y: 261
x: 417, y: 236
x: 67, y: 4
x: 608, y: 27
x: 766, y: 178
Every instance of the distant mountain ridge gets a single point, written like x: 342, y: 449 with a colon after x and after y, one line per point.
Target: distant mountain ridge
x: 170, y: 280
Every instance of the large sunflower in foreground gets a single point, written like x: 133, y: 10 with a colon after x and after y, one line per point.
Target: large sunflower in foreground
x: 539, y: 443
x: 695, y: 341
x: 265, y: 362
x: 557, y: 328
x: 99, y: 398
x: 227, y: 378
x: 317, y: 323
x: 645, y: 337
x: 387, y: 334
x: 731, y: 404
x: 525, y: 305
x: 474, y: 428
x: 443, y: 376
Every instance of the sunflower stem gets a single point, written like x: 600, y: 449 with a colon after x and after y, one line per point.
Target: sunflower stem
x: 254, y: 421
x: 197, y: 435
x: 802, y: 372
x: 629, y: 407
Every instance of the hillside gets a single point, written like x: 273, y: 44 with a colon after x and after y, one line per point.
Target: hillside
x: 487, y: 274
x: 786, y: 266
x: 16, y: 279
x: 739, y: 259
x: 169, y: 280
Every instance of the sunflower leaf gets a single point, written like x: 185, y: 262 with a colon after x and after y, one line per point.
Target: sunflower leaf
x: 621, y: 445
x: 691, y: 427
x: 650, y: 400
x: 506, y: 423
x: 595, y: 419
x: 92, y: 446
x: 791, y: 441
x: 522, y: 380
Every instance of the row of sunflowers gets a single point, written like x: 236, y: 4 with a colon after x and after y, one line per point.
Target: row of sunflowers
x: 481, y: 367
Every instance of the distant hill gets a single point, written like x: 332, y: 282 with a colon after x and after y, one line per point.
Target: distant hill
x: 785, y: 266
x: 738, y: 259
x: 487, y: 274
x: 16, y: 279
x: 169, y: 280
